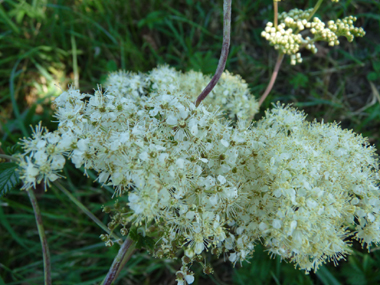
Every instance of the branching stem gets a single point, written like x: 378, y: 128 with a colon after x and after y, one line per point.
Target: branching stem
x: 41, y: 232
x: 281, y: 56
x: 224, y: 53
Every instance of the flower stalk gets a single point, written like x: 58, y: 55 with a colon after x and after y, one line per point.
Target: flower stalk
x: 273, y: 78
x: 41, y: 232
x: 8, y: 157
x: 316, y: 7
x: 299, y: 24
x: 122, y: 257
x: 224, y: 53
x: 275, y: 6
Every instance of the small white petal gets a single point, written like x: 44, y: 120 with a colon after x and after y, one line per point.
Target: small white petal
x: 276, y: 224
x: 189, y: 279
x: 225, y: 143
x: 171, y: 120
x: 222, y: 179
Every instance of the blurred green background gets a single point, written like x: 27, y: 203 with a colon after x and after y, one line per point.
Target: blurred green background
x: 47, y: 45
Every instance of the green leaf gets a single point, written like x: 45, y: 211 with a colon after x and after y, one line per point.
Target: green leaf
x: 299, y: 80
x: 111, y: 65
x: 141, y: 241
x: 372, y: 76
x: 376, y: 65
x: 205, y: 62
x: 148, y: 243
x: 133, y: 234
x: 152, y: 19
x: 9, y: 177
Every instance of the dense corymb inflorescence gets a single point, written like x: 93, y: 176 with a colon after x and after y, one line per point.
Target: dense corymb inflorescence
x: 287, y: 38
x: 231, y: 94
x: 310, y: 187
x: 204, y: 179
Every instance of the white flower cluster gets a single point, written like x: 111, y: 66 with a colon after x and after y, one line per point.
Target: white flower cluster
x: 231, y: 92
x: 208, y: 186
x: 308, y: 183
x: 286, y: 37
x: 282, y: 39
x: 344, y: 27
x: 43, y: 158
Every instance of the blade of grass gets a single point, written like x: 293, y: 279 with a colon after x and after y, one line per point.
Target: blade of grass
x: 7, y: 20
x: 326, y: 276
x: 7, y: 226
x: 85, y: 210
x: 2, y: 281
x: 13, y: 99
x: 75, y: 61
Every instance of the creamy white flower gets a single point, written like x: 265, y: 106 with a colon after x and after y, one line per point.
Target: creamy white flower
x: 207, y: 185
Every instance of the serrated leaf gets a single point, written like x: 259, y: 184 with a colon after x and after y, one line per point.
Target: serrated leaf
x: 148, y: 243
x: 9, y: 177
x: 138, y: 239
x: 133, y: 234
x: 141, y: 241
x: 139, y: 244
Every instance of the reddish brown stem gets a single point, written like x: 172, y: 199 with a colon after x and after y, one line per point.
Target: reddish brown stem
x: 224, y: 53
x: 273, y: 78
x: 41, y: 232
x: 124, y: 254
x: 275, y: 5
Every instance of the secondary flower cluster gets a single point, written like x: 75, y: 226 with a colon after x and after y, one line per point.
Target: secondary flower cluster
x: 204, y: 184
x: 287, y: 39
x: 307, y: 184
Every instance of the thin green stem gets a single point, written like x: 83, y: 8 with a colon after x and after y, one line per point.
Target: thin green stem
x: 41, y: 232
x: 86, y: 211
x: 316, y: 7
x: 122, y: 257
x: 224, y: 53
x: 8, y: 157
x: 75, y: 61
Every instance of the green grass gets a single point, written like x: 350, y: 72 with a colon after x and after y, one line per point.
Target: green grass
x: 46, y: 45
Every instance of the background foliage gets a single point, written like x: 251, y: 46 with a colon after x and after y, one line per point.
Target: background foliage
x: 46, y: 45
